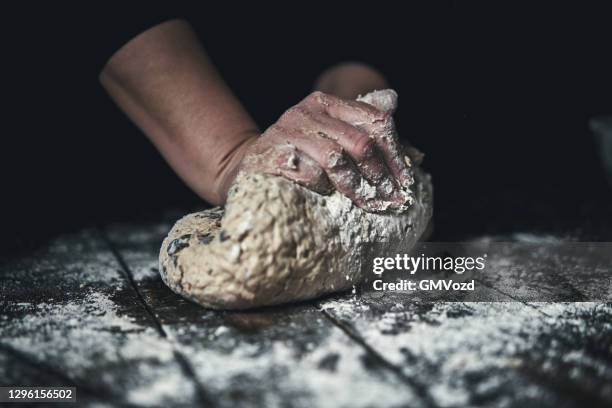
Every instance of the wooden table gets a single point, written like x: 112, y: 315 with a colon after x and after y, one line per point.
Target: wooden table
x: 88, y: 309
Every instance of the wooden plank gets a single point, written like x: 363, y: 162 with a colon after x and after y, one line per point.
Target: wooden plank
x: 282, y: 356
x: 545, y: 269
x: 68, y: 307
x: 490, y: 350
x: 18, y: 369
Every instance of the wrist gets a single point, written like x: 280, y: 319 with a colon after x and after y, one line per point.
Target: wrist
x: 229, y: 166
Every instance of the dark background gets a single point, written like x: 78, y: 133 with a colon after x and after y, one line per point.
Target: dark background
x: 498, y: 97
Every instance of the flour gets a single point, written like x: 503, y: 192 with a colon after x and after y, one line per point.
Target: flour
x: 164, y: 388
x: 344, y: 308
x: 449, y: 347
x: 522, y: 237
x: 366, y: 190
x: 141, y: 267
x: 330, y: 374
x: 79, y: 258
x: 75, y: 336
x: 382, y: 99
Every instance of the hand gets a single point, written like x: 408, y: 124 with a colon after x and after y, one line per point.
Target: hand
x: 326, y: 143
x: 165, y: 82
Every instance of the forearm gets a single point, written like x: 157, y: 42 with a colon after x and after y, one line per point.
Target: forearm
x: 166, y: 84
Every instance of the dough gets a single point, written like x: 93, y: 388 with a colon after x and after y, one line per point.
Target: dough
x: 278, y: 242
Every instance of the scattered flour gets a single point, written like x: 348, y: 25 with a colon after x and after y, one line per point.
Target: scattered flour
x: 329, y: 374
x: 449, y: 347
x: 163, y: 389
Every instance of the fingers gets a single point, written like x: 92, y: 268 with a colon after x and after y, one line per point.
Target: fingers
x: 326, y: 143
x: 286, y: 161
x: 342, y: 173
x: 384, y: 100
x: 397, y: 160
x: 356, y: 143
x: 354, y: 112
x: 376, y: 122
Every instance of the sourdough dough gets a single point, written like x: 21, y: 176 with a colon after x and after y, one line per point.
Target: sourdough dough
x: 278, y: 242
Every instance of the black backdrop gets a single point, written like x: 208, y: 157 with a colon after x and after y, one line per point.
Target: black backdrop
x: 498, y: 97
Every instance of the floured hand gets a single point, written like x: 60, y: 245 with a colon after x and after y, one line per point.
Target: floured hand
x: 326, y: 143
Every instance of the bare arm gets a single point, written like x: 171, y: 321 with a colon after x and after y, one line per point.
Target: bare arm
x: 166, y: 84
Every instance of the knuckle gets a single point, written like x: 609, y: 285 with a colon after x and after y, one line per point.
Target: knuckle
x: 371, y: 112
x: 278, y: 128
x: 275, y: 130
x: 364, y: 147
x: 383, y: 119
x: 287, y: 115
x: 317, y: 99
x: 316, y: 96
x: 335, y: 158
x: 294, y: 113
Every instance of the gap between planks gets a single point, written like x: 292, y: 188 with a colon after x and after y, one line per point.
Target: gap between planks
x: 528, y: 304
x: 202, y: 395
x: 420, y: 389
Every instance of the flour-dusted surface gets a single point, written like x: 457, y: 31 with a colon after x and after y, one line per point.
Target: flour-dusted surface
x: 291, y: 356
x: 70, y: 315
x: 490, y: 354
